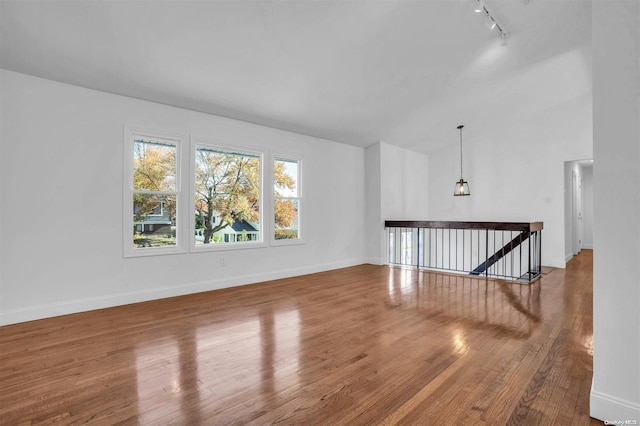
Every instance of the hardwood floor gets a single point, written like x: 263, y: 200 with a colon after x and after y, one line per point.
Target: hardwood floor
x: 362, y: 345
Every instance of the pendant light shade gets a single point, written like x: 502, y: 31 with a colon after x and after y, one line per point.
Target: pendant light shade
x: 462, y: 187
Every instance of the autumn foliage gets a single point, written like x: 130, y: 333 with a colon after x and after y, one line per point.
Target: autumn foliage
x: 227, y: 187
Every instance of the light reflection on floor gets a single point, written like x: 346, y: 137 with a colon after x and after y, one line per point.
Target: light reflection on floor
x: 256, y: 356
x: 158, y: 370
x: 481, y: 303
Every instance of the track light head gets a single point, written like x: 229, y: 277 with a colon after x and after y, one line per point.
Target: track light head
x: 491, y: 24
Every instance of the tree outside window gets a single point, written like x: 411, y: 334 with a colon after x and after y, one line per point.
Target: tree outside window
x: 286, y: 201
x: 227, y: 196
x: 154, y: 193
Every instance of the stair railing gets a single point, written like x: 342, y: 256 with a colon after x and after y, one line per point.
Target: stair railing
x: 506, y: 250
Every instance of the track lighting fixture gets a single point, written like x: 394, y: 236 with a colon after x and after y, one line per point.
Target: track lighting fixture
x: 479, y: 7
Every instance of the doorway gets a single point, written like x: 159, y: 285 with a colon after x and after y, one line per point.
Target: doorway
x: 578, y: 180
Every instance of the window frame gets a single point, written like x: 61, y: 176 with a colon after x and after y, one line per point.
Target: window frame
x: 131, y: 133
x: 222, y: 146
x: 286, y: 156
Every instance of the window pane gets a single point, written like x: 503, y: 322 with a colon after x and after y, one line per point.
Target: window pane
x: 154, y: 220
x: 286, y: 191
x: 154, y: 166
x: 286, y: 219
x: 285, y: 178
x: 227, y: 196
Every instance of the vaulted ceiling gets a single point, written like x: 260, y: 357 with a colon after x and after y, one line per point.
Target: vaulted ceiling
x: 358, y: 72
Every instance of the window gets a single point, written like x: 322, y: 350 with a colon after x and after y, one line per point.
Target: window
x: 152, y: 194
x: 227, y: 200
x: 286, y: 201
x: 158, y: 209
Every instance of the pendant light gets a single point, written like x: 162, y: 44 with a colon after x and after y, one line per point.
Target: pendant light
x: 462, y: 187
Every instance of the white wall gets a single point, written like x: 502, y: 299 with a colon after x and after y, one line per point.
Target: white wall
x: 576, y: 212
x: 587, y: 207
x: 615, y: 394
x: 568, y: 210
x: 396, y: 190
x: 1, y: 208
x: 61, y: 177
x: 403, y: 181
x: 578, y: 209
x: 515, y: 171
x: 373, y: 218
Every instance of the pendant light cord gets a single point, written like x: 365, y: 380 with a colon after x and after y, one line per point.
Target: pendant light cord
x: 460, y: 128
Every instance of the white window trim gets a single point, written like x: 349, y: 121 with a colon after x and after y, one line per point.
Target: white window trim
x: 279, y: 155
x: 130, y: 132
x: 217, y: 144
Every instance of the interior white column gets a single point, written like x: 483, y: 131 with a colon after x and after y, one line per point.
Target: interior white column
x: 615, y: 394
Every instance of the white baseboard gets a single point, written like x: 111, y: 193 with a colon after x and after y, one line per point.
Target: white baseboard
x: 612, y: 410
x: 587, y: 246
x: 568, y: 257
x: 32, y: 313
x: 374, y: 261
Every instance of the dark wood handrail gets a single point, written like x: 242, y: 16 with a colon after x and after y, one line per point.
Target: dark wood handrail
x: 501, y: 226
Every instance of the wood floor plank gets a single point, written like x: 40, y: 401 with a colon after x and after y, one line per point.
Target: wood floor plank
x: 356, y: 346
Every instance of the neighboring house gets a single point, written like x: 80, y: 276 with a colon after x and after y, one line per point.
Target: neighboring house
x: 241, y: 230
x: 158, y: 222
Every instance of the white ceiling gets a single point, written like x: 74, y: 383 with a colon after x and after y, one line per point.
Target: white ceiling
x: 405, y: 72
